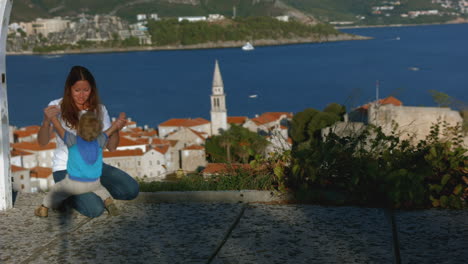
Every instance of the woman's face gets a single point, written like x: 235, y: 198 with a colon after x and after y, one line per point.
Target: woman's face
x: 80, y: 93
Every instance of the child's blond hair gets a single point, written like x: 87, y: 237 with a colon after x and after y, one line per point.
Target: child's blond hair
x: 89, y: 126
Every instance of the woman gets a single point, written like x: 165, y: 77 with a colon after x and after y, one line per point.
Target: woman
x: 81, y: 95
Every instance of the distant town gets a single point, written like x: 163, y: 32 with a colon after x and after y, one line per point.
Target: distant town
x: 89, y: 31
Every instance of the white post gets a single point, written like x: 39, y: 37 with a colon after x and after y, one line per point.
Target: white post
x: 6, y: 198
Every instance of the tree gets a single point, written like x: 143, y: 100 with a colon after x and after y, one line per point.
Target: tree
x: 237, y: 144
x: 440, y: 98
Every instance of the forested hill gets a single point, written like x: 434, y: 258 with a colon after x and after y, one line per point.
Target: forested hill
x: 359, y: 11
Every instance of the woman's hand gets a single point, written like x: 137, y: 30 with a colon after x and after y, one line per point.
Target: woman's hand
x: 50, y: 112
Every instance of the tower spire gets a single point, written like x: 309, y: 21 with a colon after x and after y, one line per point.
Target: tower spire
x: 217, y: 79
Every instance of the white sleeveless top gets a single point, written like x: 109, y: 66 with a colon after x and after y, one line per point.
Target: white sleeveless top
x: 61, y: 151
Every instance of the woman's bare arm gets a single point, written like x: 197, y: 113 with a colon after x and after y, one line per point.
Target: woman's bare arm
x: 114, y: 137
x: 46, y: 130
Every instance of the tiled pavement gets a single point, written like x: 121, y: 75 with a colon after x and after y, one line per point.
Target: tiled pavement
x: 221, y: 233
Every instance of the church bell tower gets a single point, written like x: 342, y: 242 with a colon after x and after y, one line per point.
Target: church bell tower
x: 218, y: 103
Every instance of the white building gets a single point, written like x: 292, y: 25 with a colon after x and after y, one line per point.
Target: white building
x: 268, y: 122
x: 215, y: 17
x: 41, y: 179
x: 23, y: 158
x: 141, y: 17
x: 26, y: 134
x: 283, y: 18
x: 44, y: 155
x: 192, y: 18
x: 193, y: 157
x: 45, y: 26
x: 20, y: 179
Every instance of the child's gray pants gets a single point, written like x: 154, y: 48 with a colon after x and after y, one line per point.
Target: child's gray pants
x: 67, y: 187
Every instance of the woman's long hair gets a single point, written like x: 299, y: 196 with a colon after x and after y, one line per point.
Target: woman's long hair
x: 70, y: 112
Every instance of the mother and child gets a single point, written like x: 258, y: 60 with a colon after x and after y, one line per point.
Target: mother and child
x: 83, y: 128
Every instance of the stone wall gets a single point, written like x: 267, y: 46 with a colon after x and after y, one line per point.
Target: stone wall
x: 412, y: 122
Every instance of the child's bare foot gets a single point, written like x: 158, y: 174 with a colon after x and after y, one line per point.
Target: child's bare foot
x: 110, y: 206
x: 42, y: 211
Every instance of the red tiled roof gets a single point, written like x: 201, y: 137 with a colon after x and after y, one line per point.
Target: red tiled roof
x: 173, y: 142
x: 389, y: 100
x: 151, y: 133
x: 26, y: 131
x: 17, y: 152
x: 129, y: 142
x: 236, y: 119
x: 270, y: 117
x: 34, y: 146
x: 158, y: 141
x: 290, y: 141
x: 143, y: 141
x: 194, y: 147
x: 212, y: 168
x: 17, y: 168
x: 162, y: 149
x: 184, y: 122
x: 41, y: 172
x: 122, y: 153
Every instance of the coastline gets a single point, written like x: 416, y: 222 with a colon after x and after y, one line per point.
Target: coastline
x: 238, y: 44
x: 209, y: 45
x: 452, y: 22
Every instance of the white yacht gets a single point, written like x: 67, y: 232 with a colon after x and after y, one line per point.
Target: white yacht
x: 248, y: 46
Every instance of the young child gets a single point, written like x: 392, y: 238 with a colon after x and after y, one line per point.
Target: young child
x: 84, y: 165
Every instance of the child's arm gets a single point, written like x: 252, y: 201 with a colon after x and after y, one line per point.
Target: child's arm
x: 58, y: 127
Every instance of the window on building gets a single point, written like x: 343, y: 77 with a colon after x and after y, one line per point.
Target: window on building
x: 118, y: 164
x: 22, y: 186
x: 158, y: 162
x: 22, y: 177
x: 12, y: 179
x: 139, y: 163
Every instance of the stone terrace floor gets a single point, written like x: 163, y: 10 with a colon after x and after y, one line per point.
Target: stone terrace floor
x: 222, y: 233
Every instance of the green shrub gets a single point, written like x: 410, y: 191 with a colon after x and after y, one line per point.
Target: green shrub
x: 374, y: 169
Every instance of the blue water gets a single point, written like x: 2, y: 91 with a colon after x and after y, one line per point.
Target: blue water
x: 152, y: 87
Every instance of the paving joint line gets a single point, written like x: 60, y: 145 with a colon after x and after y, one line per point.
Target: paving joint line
x: 38, y: 251
x: 228, y: 233
x: 395, y: 241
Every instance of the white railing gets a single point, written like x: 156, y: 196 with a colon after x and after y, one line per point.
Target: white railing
x: 6, y: 198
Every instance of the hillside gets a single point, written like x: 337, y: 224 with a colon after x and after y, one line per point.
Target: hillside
x: 303, y: 10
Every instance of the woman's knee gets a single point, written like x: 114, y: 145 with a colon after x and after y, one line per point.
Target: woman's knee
x: 88, y: 204
x: 121, y: 185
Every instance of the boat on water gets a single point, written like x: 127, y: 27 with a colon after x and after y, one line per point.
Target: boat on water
x: 413, y: 68
x: 253, y: 96
x: 397, y: 38
x: 54, y: 56
x: 248, y: 47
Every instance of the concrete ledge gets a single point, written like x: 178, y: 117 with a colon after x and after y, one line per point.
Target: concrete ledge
x: 243, y: 196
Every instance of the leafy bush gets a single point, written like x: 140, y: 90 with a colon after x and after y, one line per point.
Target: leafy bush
x: 375, y: 169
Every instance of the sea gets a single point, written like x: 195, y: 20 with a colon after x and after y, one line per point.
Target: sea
x: 154, y: 86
